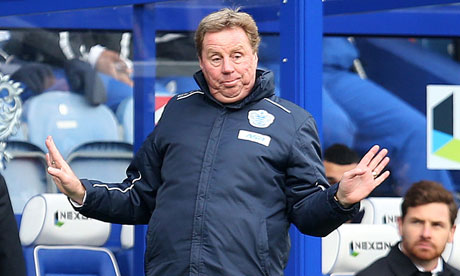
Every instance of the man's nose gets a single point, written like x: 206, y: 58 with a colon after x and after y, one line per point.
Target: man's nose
x: 426, y: 231
x: 227, y: 65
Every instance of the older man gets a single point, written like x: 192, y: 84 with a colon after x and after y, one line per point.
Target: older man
x: 227, y: 169
x: 426, y: 225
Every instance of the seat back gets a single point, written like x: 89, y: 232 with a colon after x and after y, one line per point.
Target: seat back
x: 74, y: 260
x: 57, y: 239
x: 125, y: 256
x: 381, y: 210
x: 69, y: 119
x: 452, y: 252
x: 352, y: 247
x: 105, y: 161
x: 127, y: 236
x: 25, y: 173
x: 125, y: 116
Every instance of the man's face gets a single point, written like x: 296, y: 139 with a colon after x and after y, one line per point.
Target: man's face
x: 334, y: 172
x: 425, y: 231
x: 229, y: 64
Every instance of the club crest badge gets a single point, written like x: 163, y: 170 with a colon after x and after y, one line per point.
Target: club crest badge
x: 260, y: 118
x: 10, y: 113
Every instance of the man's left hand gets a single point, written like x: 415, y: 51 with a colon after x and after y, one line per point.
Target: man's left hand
x: 359, y: 182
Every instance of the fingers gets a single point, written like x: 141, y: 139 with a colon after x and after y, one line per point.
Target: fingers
x: 369, y: 156
x: 53, y: 157
x: 380, y: 166
x: 376, y: 162
x: 379, y: 179
x: 125, y: 79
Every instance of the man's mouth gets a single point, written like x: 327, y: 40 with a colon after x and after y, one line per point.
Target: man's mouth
x: 424, y: 245
x: 230, y: 83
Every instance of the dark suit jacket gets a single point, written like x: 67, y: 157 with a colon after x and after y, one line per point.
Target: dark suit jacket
x: 398, y: 264
x: 11, y: 258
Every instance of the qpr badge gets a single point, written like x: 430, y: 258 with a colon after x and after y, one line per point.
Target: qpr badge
x: 10, y: 114
x: 260, y: 118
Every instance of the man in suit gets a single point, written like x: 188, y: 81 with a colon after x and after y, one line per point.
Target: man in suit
x: 426, y: 225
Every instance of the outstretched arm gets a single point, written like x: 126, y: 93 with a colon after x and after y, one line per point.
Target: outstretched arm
x: 359, y: 182
x: 65, y: 179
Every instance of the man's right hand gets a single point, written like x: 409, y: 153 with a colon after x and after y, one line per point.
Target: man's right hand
x: 110, y: 63
x: 65, y: 179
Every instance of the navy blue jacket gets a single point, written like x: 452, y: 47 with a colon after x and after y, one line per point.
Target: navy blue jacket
x: 220, y: 184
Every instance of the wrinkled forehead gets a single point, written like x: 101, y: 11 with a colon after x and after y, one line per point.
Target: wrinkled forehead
x: 227, y: 39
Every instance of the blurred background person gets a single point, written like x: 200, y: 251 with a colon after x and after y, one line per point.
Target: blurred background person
x: 338, y: 159
x: 427, y: 223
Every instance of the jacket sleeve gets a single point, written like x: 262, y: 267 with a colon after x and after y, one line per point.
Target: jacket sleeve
x: 311, y: 205
x: 133, y: 200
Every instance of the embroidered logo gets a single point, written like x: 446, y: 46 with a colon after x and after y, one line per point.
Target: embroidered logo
x: 254, y: 137
x: 260, y: 118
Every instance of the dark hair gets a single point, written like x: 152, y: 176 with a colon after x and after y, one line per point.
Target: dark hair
x: 341, y: 154
x: 227, y: 18
x: 425, y: 192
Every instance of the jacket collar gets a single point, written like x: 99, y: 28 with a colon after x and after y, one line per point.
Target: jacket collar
x: 264, y: 87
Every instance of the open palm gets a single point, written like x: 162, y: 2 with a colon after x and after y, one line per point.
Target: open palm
x: 359, y: 182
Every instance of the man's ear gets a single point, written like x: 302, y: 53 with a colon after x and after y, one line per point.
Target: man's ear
x: 200, y: 61
x: 452, y: 232
x: 400, y: 223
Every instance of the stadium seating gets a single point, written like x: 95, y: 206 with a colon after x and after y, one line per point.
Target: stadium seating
x: 176, y: 84
x: 20, y: 134
x: 105, y: 161
x: 125, y: 116
x: 59, y: 241
x: 352, y: 247
x: 126, y: 253
x: 25, y: 174
x: 69, y: 119
x: 381, y: 210
x: 452, y: 252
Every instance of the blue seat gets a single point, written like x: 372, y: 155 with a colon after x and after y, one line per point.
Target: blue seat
x: 125, y: 254
x: 341, y: 251
x: 175, y: 84
x: 25, y: 173
x: 20, y: 134
x: 69, y: 119
x: 105, y: 161
x: 452, y: 251
x: 57, y: 240
x: 125, y: 116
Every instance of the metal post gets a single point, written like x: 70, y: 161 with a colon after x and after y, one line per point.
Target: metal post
x: 301, y: 82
